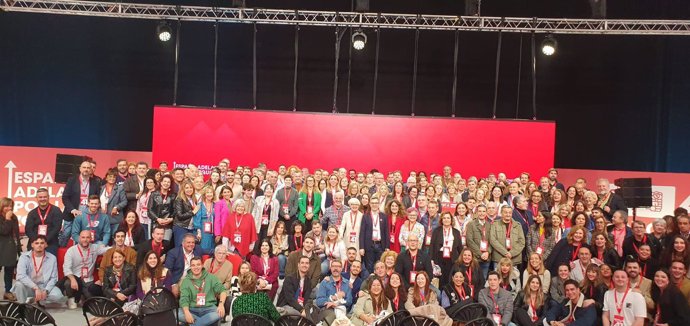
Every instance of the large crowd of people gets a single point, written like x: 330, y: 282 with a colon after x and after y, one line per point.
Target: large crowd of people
x: 346, y: 246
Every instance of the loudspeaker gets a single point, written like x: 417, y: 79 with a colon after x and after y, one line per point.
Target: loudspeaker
x: 67, y: 165
x: 637, y: 192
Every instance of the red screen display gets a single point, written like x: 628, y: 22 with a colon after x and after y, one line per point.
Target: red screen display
x: 362, y: 142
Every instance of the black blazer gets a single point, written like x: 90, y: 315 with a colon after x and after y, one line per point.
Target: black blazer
x: 138, y: 234
x: 183, y: 213
x: 437, y: 244
x: 616, y: 203
x: 128, y: 281
x: 366, y: 229
x: 53, y: 220
x: 71, y: 196
x: 674, y: 306
x: 131, y: 186
x: 290, y: 287
x: 145, y: 247
x: 403, y: 265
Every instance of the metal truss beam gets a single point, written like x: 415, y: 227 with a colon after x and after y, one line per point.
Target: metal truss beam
x: 349, y: 19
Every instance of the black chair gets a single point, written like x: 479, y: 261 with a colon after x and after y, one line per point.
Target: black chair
x: 35, y: 315
x: 11, y: 309
x: 159, y: 307
x: 250, y: 319
x: 122, y: 319
x: 100, y: 307
x: 394, y: 318
x: 418, y: 321
x: 469, y: 312
x: 483, y: 321
x: 11, y: 321
x: 294, y: 320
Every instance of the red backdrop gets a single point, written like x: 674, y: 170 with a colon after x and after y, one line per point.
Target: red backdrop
x: 26, y: 169
x: 319, y: 140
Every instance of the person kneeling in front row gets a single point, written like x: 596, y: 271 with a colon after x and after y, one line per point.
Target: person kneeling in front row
x: 198, y: 292
x: 37, y: 275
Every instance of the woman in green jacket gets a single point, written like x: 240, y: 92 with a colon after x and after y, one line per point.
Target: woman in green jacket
x: 309, y: 203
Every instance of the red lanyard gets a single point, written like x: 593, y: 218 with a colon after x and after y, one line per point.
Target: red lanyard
x: 310, y: 198
x: 37, y: 268
x: 396, y: 300
x: 524, y: 217
x: 534, y: 310
x: 300, y: 242
x: 414, y: 263
x: 446, y: 235
x: 462, y: 293
x: 192, y: 203
x: 44, y: 217
x: 535, y: 210
x: 238, y: 223
x: 265, y: 263
x: 84, y: 186
x: 422, y: 296
x: 619, y: 307
x: 332, y: 250
x: 338, y: 285
x: 469, y: 275
x: 575, y: 252
x: 83, y: 260
x: 644, y: 241
x: 353, y: 219
x: 214, y: 263
x: 88, y: 220
x: 374, y: 220
x: 199, y: 289
x: 491, y: 293
x: 157, y: 248
x: 509, y: 228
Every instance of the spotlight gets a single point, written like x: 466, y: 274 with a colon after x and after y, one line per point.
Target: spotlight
x: 359, y: 39
x: 548, y: 45
x: 164, y: 31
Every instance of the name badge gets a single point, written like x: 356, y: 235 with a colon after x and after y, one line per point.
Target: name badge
x: 508, y: 243
x: 93, y: 235
x: 618, y: 320
x: 413, y: 276
x: 237, y: 238
x: 353, y: 237
x: 43, y: 230
x: 84, y: 200
x: 286, y: 210
x: 84, y: 272
x: 310, y: 209
x: 483, y: 246
x: 446, y: 252
x: 463, y: 239
x: 207, y: 227
x: 392, y: 238
x: 264, y: 219
x: 540, y: 250
x: 201, y: 299
x: 376, y: 235
x: 428, y: 240
x: 496, y: 318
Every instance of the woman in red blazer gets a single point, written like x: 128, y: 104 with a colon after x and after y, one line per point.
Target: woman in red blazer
x: 239, y: 229
x: 265, y: 264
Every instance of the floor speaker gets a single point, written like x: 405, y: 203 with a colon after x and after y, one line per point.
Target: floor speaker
x: 637, y: 192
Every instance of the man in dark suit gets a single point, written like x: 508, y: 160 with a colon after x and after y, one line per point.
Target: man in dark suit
x: 178, y: 260
x: 134, y: 185
x: 75, y: 198
x: 45, y: 220
x: 157, y: 244
x: 608, y: 200
x: 296, y: 292
x: 412, y: 261
x: 373, y: 234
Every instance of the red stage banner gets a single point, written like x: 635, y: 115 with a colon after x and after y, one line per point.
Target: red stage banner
x: 323, y: 140
x: 669, y: 190
x: 26, y: 169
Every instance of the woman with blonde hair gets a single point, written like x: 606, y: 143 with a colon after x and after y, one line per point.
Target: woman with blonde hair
x: 510, y: 276
x: 535, y: 266
x: 203, y: 220
x: 239, y: 231
x: 185, y: 207
x: 388, y: 258
x: 309, y: 203
x: 350, y: 225
x: 334, y: 249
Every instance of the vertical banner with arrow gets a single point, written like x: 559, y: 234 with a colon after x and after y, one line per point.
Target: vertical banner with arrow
x: 27, y: 169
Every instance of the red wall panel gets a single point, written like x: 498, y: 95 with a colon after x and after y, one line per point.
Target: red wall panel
x: 324, y: 140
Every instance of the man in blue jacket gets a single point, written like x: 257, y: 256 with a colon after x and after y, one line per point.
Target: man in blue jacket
x: 178, y: 260
x: 374, y: 234
x: 573, y: 311
x: 334, y: 294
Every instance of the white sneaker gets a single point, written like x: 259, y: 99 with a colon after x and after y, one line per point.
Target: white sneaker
x: 71, y: 304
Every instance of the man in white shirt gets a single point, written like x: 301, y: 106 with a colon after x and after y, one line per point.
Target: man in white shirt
x: 580, y: 265
x: 78, y: 268
x: 622, y: 306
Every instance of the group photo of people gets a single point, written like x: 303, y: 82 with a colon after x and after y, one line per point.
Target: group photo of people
x: 347, y: 247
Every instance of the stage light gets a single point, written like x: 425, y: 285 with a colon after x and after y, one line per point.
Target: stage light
x: 359, y: 40
x: 549, y: 45
x: 164, y: 31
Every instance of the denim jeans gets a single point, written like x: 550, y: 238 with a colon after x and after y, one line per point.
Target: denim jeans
x: 282, y: 261
x: 202, y: 316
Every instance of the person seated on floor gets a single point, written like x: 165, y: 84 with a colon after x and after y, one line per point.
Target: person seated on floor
x: 296, y: 289
x: 334, y: 294
x: 78, y: 266
x: 252, y: 301
x: 37, y: 275
x: 198, y: 293
x: 118, y: 244
x: 119, y: 281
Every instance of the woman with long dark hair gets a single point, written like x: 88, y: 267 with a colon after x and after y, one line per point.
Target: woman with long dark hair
x: 474, y: 276
x: 369, y: 308
x: 603, y: 251
x: 396, y: 292
x: 671, y: 305
x: 420, y: 293
x: 134, y: 232
x: 678, y: 249
x: 541, y: 238
x: 456, y: 294
x: 265, y: 264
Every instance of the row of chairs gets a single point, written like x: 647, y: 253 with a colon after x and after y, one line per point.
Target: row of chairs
x: 469, y: 315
